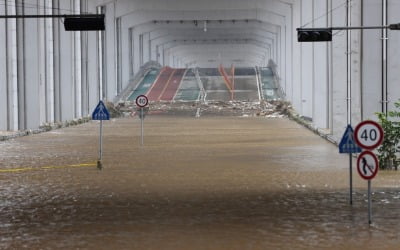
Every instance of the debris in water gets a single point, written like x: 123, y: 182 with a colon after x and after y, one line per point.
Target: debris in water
x: 268, y: 109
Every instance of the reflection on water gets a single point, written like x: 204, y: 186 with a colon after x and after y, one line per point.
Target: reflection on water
x: 218, y: 183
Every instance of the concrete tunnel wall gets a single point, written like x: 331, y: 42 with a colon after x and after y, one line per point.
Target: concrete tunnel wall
x: 49, y: 75
x: 354, y: 62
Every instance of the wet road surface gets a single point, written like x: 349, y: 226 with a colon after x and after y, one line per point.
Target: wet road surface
x: 207, y: 183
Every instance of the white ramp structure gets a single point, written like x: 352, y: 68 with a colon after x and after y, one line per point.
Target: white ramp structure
x: 51, y: 75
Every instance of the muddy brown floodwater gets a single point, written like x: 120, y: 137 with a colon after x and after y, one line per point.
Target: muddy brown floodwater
x: 196, y: 183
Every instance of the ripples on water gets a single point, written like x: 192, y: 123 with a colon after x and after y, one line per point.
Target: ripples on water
x: 32, y: 217
x: 222, y: 203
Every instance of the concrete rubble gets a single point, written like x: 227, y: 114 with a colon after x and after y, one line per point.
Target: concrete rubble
x: 268, y: 109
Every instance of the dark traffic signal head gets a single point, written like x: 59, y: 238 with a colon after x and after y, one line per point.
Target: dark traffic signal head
x: 394, y: 26
x: 314, y: 35
x: 84, y: 23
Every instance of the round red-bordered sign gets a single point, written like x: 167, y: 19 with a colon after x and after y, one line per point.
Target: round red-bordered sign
x: 142, y: 101
x: 367, y: 165
x: 368, y: 134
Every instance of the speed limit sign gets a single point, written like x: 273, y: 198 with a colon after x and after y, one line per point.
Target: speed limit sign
x: 368, y: 134
x: 142, y: 101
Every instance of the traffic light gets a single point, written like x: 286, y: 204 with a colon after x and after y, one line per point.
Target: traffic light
x: 394, y: 26
x: 84, y: 23
x: 314, y: 35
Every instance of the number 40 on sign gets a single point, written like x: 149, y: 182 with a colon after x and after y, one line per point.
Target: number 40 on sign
x: 368, y: 134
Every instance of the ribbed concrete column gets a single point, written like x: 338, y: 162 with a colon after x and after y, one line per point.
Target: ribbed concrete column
x: 137, y: 49
x: 110, y: 52
x: 339, y: 71
x: 41, y: 65
x: 30, y: 69
x: 67, y: 80
x: 92, y: 68
x: 93, y: 62
x: 41, y: 75
x: 295, y: 96
x: 146, y: 47
x: 320, y: 70
x: 4, y: 109
x: 307, y: 63
x: 57, y: 26
x: 20, y: 45
x: 77, y: 71
x: 12, y: 70
x: 49, y: 47
x: 126, y: 46
x: 118, y: 56
x: 372, y: 74
x: 393, y: 56
x: 84, y: 61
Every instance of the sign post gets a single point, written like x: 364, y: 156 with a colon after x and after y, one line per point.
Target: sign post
x: 141, y: 102
x: 347, y: 145
x: 100, y: 113
x: 369, y: 203
x: 368, y: 135
x: 367, y: 167
x: 141, y: 126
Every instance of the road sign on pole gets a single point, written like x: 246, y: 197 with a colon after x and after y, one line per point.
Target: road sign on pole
x: 368, y: 134
x: 347, y: 144
x: 100, y: 113
x: 142, y: 101
x: 367, y: 165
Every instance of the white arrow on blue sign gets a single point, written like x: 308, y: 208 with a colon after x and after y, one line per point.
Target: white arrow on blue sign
x: 100, y: 112
x: 347, y: 144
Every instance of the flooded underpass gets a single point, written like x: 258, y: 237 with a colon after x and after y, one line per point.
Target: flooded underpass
x: 196, y: 183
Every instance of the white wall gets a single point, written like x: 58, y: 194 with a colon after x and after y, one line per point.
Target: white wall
x: 45, y: 75
x: 328, y: 70
x: 3, y: 73
x: 58, y: 73
x: 372, y: 63
x: 393, y: 55
x: 139, y: 41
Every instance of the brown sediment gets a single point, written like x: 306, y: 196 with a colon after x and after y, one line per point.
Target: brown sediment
x: 196, y: 183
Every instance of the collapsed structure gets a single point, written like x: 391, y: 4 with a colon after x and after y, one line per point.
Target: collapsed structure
x: 50, y: 75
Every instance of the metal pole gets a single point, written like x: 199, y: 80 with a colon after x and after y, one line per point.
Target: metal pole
x: 369, y: 203
x: 348, y: 63
x: 99, y: 164
x: 384, y: 59
x: 101, y: 141
x: 351, y: 179
x: 54, y: 16
x: 360, y: 27
x: 141, y: 125
x: 350, y: 28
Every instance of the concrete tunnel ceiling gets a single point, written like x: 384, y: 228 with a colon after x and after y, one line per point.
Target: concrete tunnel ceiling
x: 218, y: 41
x: 192, y: 33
